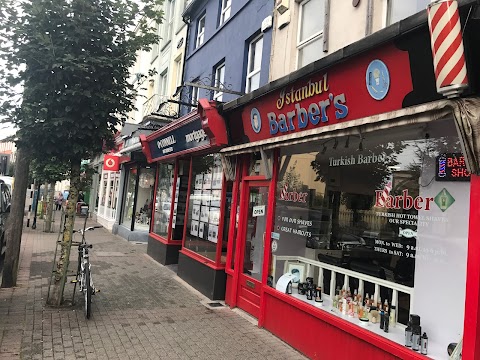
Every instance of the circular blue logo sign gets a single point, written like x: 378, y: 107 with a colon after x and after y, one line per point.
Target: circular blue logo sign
x: 256, y: 120
x: 378, y: 79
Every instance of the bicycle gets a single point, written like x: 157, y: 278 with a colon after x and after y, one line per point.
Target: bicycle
x: 84, y: 273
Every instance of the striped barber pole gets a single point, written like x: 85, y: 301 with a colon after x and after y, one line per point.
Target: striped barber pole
x: 284, y: 192
x: 447, y: 47
x: 386, y: 191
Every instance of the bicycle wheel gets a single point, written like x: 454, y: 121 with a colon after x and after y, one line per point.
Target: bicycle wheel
x: 87, y: 289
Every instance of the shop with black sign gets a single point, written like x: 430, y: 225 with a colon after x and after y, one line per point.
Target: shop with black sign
x: 192, y: 199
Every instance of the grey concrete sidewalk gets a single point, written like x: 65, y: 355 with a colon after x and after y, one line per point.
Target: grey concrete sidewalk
x: 142, y: 312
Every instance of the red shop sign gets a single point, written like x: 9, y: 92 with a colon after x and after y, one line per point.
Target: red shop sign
x: 111, y: 163
x: 369, y: 84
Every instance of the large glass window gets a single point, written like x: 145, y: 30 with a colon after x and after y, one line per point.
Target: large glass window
x: 200, y: 31
x: 129, y: 196
x: 225, y: 11
x: 310, y: 31
x: 163, y: 202
x: 371, y: 221
x: 400, y: 9
x: 144, y: 198
x: 204, y: 211
x: 219, y: 82
x: 180, y: 202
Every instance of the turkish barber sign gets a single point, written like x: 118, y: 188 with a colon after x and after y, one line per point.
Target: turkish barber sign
x: 187, y: 137
x: 111, y: 163
x: 370, y: 84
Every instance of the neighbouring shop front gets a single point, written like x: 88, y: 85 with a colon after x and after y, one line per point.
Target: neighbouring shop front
x: 192, y: 200
x: 353, y: 214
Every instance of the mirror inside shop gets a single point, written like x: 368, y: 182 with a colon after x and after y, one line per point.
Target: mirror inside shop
x: 365, y: 227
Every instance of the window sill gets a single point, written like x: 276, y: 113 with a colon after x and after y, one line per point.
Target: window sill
x: 201, y: 259
x: 165, y: 45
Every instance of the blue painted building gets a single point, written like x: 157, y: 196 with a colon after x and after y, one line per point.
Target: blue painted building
x: 227, y: 47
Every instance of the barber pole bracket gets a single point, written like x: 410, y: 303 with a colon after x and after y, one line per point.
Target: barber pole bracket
x: 447, y: 48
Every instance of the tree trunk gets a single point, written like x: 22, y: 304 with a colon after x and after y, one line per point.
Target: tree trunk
x: 56, y: 293
x: 50, y: 201
x: 13, y: 232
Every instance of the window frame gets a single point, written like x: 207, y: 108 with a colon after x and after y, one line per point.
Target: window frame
x: 301, y: 44
x: 254, y: 72
x: 225, y: 11
x: 168, y: 25
x: 200, y: 38
x: 195, y: 95
x: 218, y: 95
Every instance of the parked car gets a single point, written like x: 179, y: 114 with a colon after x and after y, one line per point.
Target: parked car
x: 5, y: 200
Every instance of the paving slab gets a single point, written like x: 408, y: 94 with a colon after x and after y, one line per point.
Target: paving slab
x: 143, y: 311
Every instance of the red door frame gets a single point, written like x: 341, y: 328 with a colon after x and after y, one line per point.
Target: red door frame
x: 245, y: 304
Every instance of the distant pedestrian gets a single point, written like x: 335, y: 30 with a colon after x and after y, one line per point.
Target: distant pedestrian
x: 59, y: 201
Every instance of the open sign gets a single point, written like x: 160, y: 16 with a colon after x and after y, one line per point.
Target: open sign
x: 258, y: 211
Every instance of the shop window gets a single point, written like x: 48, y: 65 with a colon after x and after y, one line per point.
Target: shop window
x: 225, y: 11
x: 163, y: 202
x: 219, y: 82
x: 397, y: 10
x: 204, y: 212
x: 144, y: 199
x: 129, y: 196
x: 379, y: 214
x: 310, y: 32
x: 138, y: 198
x: 254, y: 65
x: 180, y: 202
x: 104, y: 189
x: 200, y: 31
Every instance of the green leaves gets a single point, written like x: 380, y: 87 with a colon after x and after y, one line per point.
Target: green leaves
x: 73, y: 58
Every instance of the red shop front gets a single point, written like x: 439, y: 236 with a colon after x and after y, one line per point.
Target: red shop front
x: 355, y: 212
x: 191, y: 199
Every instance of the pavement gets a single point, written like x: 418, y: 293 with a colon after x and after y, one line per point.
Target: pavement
x: 143, y: 311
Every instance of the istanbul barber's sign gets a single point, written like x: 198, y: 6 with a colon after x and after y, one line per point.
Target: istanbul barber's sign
x: 366, y: 85
x: 186, y: 138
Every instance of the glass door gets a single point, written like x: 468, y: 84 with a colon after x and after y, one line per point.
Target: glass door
x: 255, y: 212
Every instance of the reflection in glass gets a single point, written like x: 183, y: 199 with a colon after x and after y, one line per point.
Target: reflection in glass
x: 163, y: 202
x: 360, y: 203
x: 143, y: 213
x: 129, y: 196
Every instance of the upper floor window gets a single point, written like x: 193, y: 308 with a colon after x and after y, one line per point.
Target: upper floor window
x: 154, y: 51
x: 219, y: 81
x: 195, y: 95
x: 310, y: 32
x: 254, y: 64
x: 169, y: 16
x: 200, y: 31
x: 225, y: 13
x: 162, y: 85
x: 401, y: 9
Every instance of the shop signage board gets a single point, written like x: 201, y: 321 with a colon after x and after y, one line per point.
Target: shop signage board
x: 370, y: 84
x: 188, y: 137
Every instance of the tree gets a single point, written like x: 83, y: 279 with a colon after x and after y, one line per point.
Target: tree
x: 73, y: 60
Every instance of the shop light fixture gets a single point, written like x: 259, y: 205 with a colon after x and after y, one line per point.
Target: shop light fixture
x: 324, y: 150
x: 335, y: 144
x: 347, y: 143
x: 360, y: 145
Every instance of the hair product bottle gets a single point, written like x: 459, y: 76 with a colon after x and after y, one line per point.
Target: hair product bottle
x: 386, y: 324
x: 408, y: 335
x: 416, y: 339
x: 392, y: 315
x: 424, y: 344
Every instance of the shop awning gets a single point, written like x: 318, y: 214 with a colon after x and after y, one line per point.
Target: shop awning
x: 465, y: 111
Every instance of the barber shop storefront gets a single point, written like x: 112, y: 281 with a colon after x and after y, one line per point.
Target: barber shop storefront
x: 192, y: 200
x: 354, y: 230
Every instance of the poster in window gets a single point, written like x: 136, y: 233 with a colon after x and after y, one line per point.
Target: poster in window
x: 206, y: 197
x: 199, y: 181
x: 204, y: 213
x: 196, y: 212
x: 173, y: 221
x: 214, y: 215
x: 194, y: 228
x: 215, y: 198
x: 217, y: 178
x: 197, y: 197
x: 201, y: 230
x: 213, y: 233
x: 207, y: 181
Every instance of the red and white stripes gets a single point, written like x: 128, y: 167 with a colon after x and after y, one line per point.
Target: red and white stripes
x: 284, y: 192
x: 386, y: 191
x: 447, y: 47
